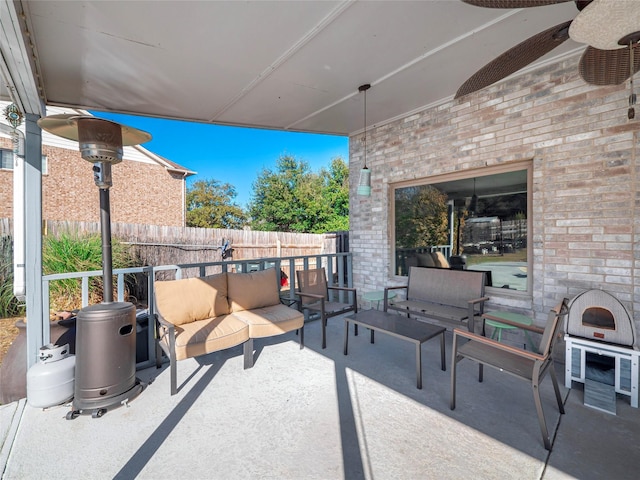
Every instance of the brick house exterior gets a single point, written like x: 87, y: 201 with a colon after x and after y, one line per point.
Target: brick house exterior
x: 147, y: 189
x: 585, y: 190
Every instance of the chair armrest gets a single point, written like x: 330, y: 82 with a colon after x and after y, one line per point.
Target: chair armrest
x: 478, y: 300
x: 347, y: 289
x: 169, y: 332
x: 319, y: 299
x: 531, y: 328
x: 500, y: 346
x: 386, y: 295
x: 396, y: 288
x: 311, y: 295
x: 354, y: 299
x: 168, y: 325
x: 471, y: 313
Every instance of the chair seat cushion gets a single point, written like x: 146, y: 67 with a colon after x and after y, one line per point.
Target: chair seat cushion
x: 211, y: 335
x: 272, y: 320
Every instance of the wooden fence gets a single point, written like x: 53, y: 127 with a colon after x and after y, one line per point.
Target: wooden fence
x: 160, y: 245
x: 6, y: 256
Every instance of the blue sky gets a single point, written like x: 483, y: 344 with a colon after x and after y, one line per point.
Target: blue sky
x: 232, y: 154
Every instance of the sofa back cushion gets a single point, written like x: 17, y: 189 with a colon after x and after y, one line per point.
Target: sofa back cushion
x: 253, y: 290
x: 440, y: 260
x: 425, y: 260
x: 190, y: 299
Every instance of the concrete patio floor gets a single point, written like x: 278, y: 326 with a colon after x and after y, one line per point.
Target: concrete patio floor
x: 316, y: 413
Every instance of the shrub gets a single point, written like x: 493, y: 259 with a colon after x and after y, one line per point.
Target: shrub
x: 78, y: 253
x: 9, y: 305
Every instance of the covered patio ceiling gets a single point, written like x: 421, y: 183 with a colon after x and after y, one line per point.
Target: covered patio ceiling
x: 271, y: 64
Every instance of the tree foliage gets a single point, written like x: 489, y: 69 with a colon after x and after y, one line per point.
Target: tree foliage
x: 292, y: 198
x: 210, y: 205
x: 421, y: 217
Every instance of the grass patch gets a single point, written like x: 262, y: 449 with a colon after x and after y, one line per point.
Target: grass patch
x: 519, y: 256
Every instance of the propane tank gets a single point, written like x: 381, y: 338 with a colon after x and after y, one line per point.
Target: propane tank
x: 50, y: 382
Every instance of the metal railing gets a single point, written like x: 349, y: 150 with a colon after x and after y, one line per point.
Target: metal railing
x: 338, y: 266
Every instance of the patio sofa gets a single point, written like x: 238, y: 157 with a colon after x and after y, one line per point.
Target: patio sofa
x: 442, y: 296
x: 196, y: 316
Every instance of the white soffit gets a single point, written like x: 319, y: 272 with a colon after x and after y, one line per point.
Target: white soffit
x: 271, y: 64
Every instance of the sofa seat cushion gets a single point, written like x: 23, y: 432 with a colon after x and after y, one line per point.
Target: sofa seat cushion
x: 253, y: 290
x: 206, y: 336
x: 272, y: 320
x: 191, y: 299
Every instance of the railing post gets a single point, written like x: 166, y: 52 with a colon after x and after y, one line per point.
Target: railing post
x: 85, y: 291
x: 121, y: 287
x: 151, y: 308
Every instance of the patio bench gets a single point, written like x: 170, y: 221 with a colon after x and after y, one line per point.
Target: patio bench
x: 441, y: 296
x: 196, y: 316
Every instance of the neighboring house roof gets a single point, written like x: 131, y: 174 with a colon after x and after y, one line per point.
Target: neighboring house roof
x: 168, y: 164
x: 136, y: 153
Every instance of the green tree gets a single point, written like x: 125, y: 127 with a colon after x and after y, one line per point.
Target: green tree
x: 291, y: 198
x: 421, y: 217
x: 335, y: 195
x: 210, y: 205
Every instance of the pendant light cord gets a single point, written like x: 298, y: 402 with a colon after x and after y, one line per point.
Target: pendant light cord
x: 365, y: 128
x: 364, y: 88
x: 632, y: 97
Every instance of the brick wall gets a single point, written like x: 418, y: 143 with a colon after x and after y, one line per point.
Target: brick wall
x: 586, y: 179
x: 141, y: 193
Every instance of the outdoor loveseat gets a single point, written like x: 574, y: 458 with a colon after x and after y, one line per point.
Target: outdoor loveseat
x: 201, y: 315
x: 442, y: 296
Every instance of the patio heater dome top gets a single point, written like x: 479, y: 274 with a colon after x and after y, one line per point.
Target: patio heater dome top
x: 66, y: 125
x: 100, y: 140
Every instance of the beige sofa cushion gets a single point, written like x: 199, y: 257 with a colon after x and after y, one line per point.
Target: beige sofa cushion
x: 269, y: 321
x: 440, y: 260
x: 253, y: 290
x: 206, y: 336
x: 190, y: 299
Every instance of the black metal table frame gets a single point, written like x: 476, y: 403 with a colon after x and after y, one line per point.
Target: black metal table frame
x: 360, y: 318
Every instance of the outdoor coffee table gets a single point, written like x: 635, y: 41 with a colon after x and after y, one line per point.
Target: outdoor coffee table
x: 397, y: 326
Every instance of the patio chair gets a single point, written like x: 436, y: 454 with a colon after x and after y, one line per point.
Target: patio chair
x: 313, y: 291
x: 521, y: 363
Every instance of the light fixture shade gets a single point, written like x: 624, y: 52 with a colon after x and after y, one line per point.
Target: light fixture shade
x: 364, y: 184
x: 473, y: 206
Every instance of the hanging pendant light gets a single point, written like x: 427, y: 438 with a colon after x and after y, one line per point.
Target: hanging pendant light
x: 364, y: 183
x: 473, y: 206
x: 630, y: 40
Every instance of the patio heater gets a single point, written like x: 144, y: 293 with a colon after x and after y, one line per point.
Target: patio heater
x: 106, y: 332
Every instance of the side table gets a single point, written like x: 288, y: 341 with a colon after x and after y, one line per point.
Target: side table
x: 512, y: 317
x: 377, y: 296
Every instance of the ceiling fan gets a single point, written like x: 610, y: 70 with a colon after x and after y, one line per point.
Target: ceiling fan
x: 610, y: 28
